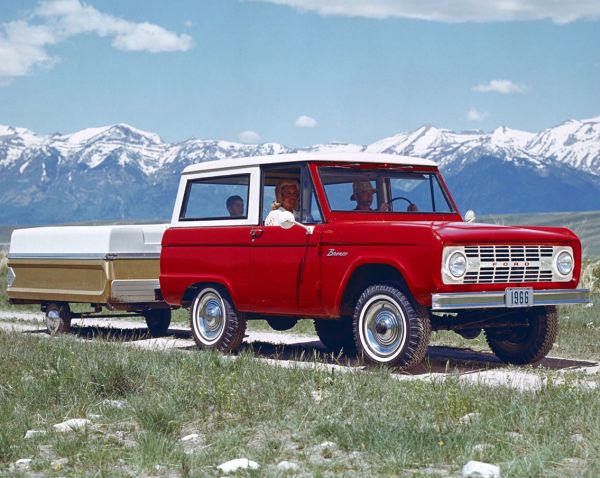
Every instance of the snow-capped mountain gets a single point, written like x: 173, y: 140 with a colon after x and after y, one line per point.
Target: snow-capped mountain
x: 120, y: 172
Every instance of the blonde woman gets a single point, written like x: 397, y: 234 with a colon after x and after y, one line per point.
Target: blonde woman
x: 287, y: 193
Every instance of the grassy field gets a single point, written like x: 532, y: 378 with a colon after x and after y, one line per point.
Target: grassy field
x: 377, y: 425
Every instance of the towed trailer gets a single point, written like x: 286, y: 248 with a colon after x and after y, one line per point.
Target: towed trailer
x: 108, y: 267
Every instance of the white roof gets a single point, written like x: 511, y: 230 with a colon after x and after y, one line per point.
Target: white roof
x: 84, y: 241
x: 354, y: 157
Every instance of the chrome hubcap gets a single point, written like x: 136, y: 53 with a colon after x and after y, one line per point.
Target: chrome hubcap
x: 383, y: 327
x: 210, y: 317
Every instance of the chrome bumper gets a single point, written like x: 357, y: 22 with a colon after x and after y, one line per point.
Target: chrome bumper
x: 495, y: 299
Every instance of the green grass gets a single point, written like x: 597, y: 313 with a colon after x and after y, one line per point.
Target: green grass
x: 244, y: 408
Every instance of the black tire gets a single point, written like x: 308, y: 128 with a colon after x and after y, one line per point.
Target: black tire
x: 388, y: 329
x: 58, y: 318
x: 214, y: 321
x: 526, y: 345
x: 158, y: 321
x: 282, y: 323
x: 336, y: 335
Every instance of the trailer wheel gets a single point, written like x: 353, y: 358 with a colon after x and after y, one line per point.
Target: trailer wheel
x: 388, y: 329
x: 58, y: 318
x: 158, y: 321
x: 525, y: 345
x: 215, y: 322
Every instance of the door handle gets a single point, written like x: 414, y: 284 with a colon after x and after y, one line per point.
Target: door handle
x: 254, y: 233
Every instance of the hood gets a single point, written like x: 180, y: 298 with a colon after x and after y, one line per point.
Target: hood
x: 464, y: 232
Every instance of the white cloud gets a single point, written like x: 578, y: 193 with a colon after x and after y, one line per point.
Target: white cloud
x: 188, y: 23
x: 505, y: 87
x: 249, y: 136
x: 23, y: 45
x: 304, y: 121
x: 474, y: 115
x: 452, y: 11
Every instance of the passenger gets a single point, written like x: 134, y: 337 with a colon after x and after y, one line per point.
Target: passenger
x: 235, y: 206
x: 362, y: 193
x: 287, y: 192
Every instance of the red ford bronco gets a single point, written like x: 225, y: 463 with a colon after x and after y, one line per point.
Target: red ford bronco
x: 371, y: 247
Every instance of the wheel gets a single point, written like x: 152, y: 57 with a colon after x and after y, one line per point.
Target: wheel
x: 58, y: 318
x: 388, y: 329
x: 158, y: 321
x: 215, y: 322
x: 524, y: 345
x: 282, y: 323
x: 336, y: 335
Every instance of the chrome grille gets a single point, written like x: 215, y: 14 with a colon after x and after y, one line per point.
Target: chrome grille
x: 497, y: 264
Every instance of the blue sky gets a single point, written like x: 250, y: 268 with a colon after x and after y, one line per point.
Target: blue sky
x: 298, y: 72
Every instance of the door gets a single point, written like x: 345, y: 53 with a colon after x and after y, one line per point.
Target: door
x: 285, y: 263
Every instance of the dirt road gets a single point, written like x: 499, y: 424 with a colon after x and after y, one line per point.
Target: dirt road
x: 287, y: 350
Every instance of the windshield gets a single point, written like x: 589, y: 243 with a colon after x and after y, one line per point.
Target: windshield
x: 383, y: 190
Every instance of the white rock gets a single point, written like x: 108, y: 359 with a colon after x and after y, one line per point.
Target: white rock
x: 470, y: 418
x: 578, y: 438
x: 327, y: 444
x: 58, y: 464
x: 317, y: 396
x: 238, y: 464
x: 23, y: 463
x: 514, y: 435
x: 34, y: 433
x: 114, y: 403
x: 477, y: 469
x: 190, y: 437
x: 287, y: 466
x: 94, y: 416
x: 71, y: 425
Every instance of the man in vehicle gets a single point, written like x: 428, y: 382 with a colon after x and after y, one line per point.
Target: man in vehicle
x: 235, y: 206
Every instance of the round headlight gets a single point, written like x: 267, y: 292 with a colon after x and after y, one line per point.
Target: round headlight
x: 457, y: 264
x: 564, y: 263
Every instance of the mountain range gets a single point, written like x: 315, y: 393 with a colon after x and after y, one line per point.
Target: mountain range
x: 120, y: 173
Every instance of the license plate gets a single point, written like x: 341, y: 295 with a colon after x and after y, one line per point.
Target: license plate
x: 518, y: 297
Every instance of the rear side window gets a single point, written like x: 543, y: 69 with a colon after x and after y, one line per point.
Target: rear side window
x: 224, y: 197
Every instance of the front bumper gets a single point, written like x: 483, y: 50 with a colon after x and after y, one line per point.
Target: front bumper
x: 496, y: 299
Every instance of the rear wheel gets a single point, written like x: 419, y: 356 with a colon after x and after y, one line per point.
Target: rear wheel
x: 58, y: 318
x: 158, y: 321
x: 336, y: 335
x: 215, y: 322
x: 388, y: 329
x: 529, y: 344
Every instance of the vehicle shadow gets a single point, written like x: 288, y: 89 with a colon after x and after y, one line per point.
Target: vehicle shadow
x: 438, y: 360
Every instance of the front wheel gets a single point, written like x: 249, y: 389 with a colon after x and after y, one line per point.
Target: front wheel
x: 158, y: 321
x: 529, y: 344
x: 388, y: 329
x: 215, y: 322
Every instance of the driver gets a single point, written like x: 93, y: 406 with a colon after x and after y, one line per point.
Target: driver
x: 362, y: 193
x: 287, y: 192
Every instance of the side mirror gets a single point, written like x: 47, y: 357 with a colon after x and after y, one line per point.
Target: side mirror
x: 469, y: 215
x: 288, y: 221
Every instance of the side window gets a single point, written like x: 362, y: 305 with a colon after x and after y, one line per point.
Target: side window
x: 290, y: 188
x: 224, y: 197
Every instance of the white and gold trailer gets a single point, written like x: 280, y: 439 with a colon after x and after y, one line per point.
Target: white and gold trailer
x: 116, y: 267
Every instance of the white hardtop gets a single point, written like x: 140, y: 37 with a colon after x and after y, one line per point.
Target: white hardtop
x: 354, y: 157
x: 87, y: 241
